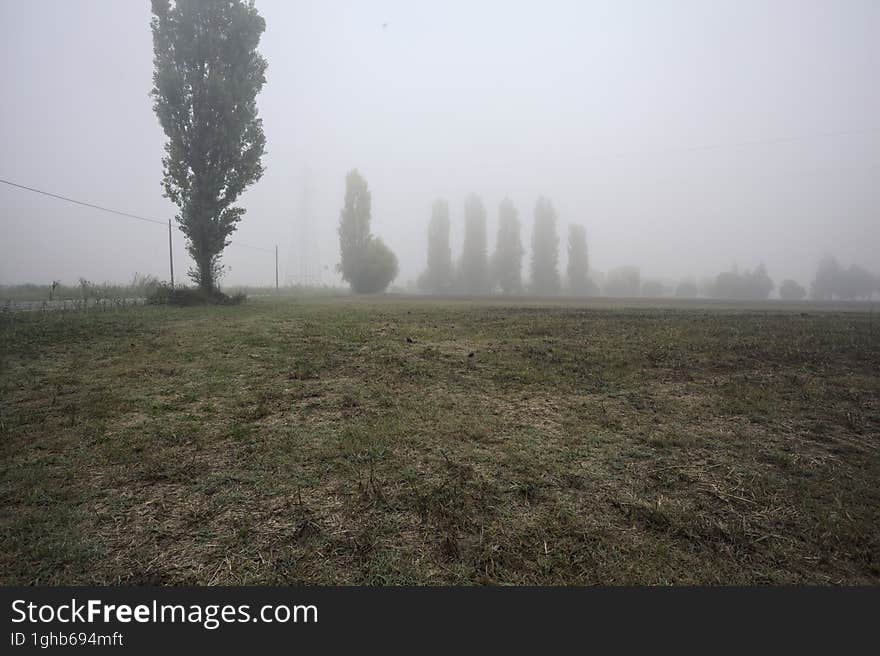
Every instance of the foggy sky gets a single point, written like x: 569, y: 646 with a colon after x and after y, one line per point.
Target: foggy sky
x: 605, y: 107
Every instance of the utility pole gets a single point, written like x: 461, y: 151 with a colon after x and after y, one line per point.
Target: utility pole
x: 276, y: 267
x: 170, y: 258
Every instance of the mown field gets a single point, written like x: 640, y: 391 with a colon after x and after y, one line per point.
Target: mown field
x: 407, y: 441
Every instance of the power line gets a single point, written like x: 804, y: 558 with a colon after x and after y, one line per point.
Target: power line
x: 118, y: 212
x: 256, y: 248
x: 83, y: 203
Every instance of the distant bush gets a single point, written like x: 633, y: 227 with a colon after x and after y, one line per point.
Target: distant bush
x: 590, y: 289
x: 623, y: 282
x: 789, y: 290
x: 164, y: 294
x: 652, y: 289
x: 140, y: 286
x: 375, y: 268
x: 748, y: 285
x: 687, y: 288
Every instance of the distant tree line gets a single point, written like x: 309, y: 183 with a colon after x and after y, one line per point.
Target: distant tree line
x: 369, y: 266
x: 831, y: 282
x: 478, y: 272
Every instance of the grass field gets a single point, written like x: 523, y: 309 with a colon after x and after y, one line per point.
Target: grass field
x: 403, y: 441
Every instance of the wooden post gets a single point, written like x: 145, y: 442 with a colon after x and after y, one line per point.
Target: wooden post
x: 170, y: 257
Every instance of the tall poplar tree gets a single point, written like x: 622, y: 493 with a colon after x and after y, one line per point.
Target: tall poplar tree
x: 438, y: 275
x: 578, y: 262
x: 507, y: 260
x: 474, y: 260
x: 205, y: 82
x: 545, y: 249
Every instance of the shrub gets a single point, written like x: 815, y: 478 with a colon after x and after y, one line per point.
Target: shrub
x: 375, y: 268
x: 790, y: 290
x: 687, y: 288
x: 652, y: 289
x: 755, y: 284
x: 623, y: 282
x: 164, y: 294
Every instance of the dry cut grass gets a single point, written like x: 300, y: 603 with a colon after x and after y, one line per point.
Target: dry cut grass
x: 411, y: 442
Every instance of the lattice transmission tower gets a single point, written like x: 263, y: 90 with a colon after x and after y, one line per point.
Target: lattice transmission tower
x: 304, y: 261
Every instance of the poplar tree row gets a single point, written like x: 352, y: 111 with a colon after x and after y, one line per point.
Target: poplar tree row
x: 476, y: 272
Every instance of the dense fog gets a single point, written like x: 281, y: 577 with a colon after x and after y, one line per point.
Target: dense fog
x: 687, y: 138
